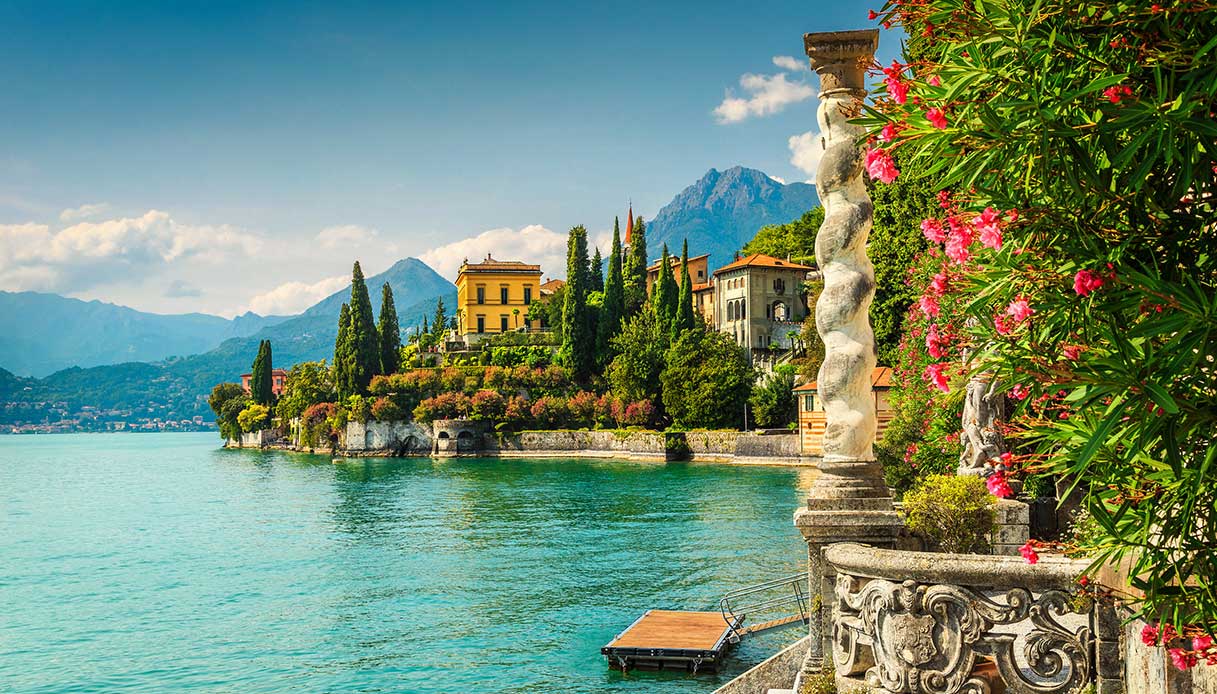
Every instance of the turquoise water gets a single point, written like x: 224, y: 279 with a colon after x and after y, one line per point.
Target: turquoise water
x: 158, y: 563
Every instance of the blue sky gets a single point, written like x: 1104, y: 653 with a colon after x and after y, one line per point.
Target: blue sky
x: 182, y: 138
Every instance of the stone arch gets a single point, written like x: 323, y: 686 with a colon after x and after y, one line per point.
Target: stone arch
x: 781, y: 312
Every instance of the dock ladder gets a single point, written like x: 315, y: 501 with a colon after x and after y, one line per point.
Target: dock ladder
x: 783, y: 600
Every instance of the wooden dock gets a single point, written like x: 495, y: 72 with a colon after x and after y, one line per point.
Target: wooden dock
x: 668, y: 639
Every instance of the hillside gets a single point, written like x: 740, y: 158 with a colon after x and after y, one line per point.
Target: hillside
x: 721, y: 212
x: 47, y: 332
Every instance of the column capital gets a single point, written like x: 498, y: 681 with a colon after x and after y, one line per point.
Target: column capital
x: 840, y: 58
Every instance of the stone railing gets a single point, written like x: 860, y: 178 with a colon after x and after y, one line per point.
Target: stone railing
x: 930, y: 623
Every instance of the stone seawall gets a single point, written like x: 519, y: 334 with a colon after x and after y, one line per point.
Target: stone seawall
x: 634, y: 445
x: 745, y: 447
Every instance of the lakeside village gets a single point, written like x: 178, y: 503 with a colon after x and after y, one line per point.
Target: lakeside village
x: 646, y: 350
x: 1052, y: 404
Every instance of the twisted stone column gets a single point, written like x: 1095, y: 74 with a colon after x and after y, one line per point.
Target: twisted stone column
x: 849, y: 500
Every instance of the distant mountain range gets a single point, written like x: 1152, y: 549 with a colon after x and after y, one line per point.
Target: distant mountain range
x: 111, y: 357
x: 47, y: 332
x: 723, y: 211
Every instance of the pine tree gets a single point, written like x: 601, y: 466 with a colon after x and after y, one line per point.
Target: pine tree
x: 441, y: 321
x: 614, y: 302
x: 664, y: 292
x: 261, y: 389
x: 634, y: 271
x: 342, y: 360
x: 684, y: 300
x: 364, y: 342
x: 578, y: 336
x: 597, y: 271
x: 390, y: 332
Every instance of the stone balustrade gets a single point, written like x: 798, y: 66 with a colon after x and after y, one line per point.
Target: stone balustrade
x: 930, y: 623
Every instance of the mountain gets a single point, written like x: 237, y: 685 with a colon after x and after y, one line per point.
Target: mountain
x: 722, y: 212
x: 47, y: 332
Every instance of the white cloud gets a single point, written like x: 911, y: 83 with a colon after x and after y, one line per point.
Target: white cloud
x: 293, y: 297
x: 768, y: 94
x: 790, y: 64
x: 533, y: 244
x: 83, y: 212
x: 179, y: 289
x: 344, y: 236
x: 32, y: 256
x: 805, y: 153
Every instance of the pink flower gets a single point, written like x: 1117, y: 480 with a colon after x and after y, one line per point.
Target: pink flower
x: 1006, y: 458
x: 958, y: 247
x: 934, y: 342
x: 932, y: 229
x: 1018, y: 391
x: 872, y: 15
x: 1182, y: 659
x: 1116, y: 92
x: 889, y: 132
x: 1086, y: 282
x: 880, y: 166
x: 1072, y: 352
x: 935, y: 81
x: 999, y: 487
x: 944, y: 199
x: 939, y: 283
x: 1202, y: 643
x: 1149, y: 635
x: 937, y: 118
x: 1028, y: 552
x: 1019, y: 309
x: 988, y: 224
x: 1003, y: 325
x: 897, y: 87
x: 929, y: 306
x: 934, y: 373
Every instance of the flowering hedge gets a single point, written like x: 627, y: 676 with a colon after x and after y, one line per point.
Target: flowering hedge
x: 1074, y: 142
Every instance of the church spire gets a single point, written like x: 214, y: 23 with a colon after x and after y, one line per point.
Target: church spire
x: 629, y: 224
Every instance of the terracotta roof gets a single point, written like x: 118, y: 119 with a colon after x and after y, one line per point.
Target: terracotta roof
x: 761, y: 260
x: 492, y: 265
x: 880, y: 377
x: 273, y: 372
x: 551, y: 286
x: 702, y: 287
x: 674, y: 260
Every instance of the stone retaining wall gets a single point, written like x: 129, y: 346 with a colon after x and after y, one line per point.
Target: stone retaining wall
x: 743, y: 447
x: 394, y: 438
x: 635, y: 445
x: 779, y: 671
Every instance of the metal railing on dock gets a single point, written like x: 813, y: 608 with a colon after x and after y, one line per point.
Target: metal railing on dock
x: 783, y: 600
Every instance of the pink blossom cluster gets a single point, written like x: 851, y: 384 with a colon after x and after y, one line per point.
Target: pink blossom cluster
x: 1086, y: 282
x: 880, y: 166
x: 897, y: 85
x: 960, y: 232
x: 999, y: 485
x: 1202, y: 646
x: 1029, y: 553
x: 1114, y: 93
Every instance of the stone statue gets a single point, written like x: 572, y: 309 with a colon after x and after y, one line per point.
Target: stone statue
x: 983, y: 409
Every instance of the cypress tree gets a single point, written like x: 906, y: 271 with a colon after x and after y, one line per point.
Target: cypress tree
x: 597, y: 271
x: 578, y: 338
x: 364, y: 341
x: 390, y: 332
x: 341, y: 352
x: 441, y: 321
x: 634, y: 271
x: 260, y: 384
x: 664, y: 292
x: 614, y: 301
x: 684, y: 301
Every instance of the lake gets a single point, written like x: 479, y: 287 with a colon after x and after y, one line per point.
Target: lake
x: 161, y: 563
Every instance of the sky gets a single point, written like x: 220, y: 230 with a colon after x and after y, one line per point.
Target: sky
x: 230, y: 156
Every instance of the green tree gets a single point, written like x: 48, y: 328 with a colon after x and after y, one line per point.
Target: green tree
x: 254, y: 417
x: 773, y: 402
x: 362, y: 350
x: 614, y: 302
x: 260, y: 382
x: 634, y: 270
x: 795, y: 239
x: 226, y: 401
x: 640, y: 348
x: 684, y: 300
x: 706, y: 381
x: 440, y: 322
x: 342, y: 349
x: 596, y: 268
x: 307, y: 384
x: 389, y: 331
x: 664, y: 293
x: 578, y: 335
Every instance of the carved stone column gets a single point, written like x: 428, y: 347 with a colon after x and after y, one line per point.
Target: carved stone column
x: 849, y: 501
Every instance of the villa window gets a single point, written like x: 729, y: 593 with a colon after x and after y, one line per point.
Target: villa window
x: 502, y: 295
x: 503, y: 322
x: 809, y: 403
x: 743, y: 309
x: 779, y: 286
x: 481, y: 322
x: 527, y: 296
x: 481, y: 297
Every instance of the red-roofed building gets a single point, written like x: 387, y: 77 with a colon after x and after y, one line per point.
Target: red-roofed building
x: 811, y: 410
x: 760, y: 301
x: 277, y: 378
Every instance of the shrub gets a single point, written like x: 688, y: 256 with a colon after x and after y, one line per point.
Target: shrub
x: 518, y: 412
x: 550, y: 412
x: 608, y: 411
x: 254, y: 417
x: 706, y: 381
x: 528, y: 355
x: 955, y: 513
x: 773, y: 403
x: 385, y: 410
x: 359, y: 408
x: 488, y: 405
x: 227, y: 400
x: 443, y: 406
x: 582, y: 409
x: 638, y: 414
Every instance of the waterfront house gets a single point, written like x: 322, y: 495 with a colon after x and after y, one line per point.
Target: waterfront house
x: 760, y: 300
x: 493, y: 296
x: 277, y: 378
x: 811, y: 411
x: 698, y: 270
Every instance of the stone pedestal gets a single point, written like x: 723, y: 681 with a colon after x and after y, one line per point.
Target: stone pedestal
x: 849, y: 501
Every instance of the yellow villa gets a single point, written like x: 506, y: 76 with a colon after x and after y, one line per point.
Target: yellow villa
x: 493, y: 297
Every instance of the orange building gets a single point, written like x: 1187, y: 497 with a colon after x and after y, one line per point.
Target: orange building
x: 699, y: 271
x: 277, y: 378
x: 811, y: 411
x: 493, y: 297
